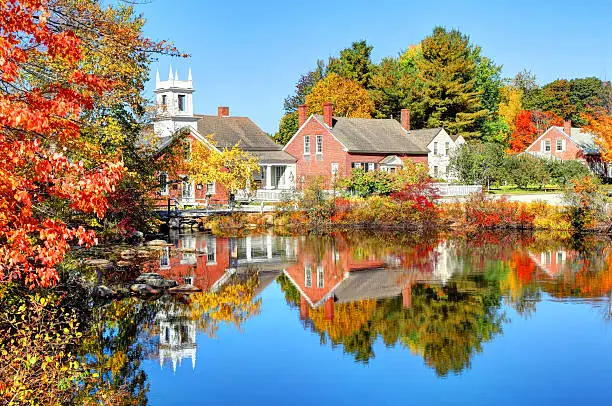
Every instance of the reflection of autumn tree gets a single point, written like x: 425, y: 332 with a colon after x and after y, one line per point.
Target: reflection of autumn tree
x: 113, y: 349
x: 348, y: 318
x: 234, y: 303
x: 292, y: 295
x: 446, y: 325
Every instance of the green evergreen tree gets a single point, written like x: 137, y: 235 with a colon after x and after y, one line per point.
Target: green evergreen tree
x: 449, y: 94
x: 354, y: 63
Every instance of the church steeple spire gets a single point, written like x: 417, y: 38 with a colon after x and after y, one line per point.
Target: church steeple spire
x: 170, y: 74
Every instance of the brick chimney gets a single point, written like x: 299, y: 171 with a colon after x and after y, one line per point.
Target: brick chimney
x: 328, y: 113
x: 406, y: 119
x: 329, y: 309
x: 222, y: 111
x: 567, y: 127
x: 301, y: 114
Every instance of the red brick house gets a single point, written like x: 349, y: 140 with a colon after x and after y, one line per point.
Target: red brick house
x: 332, y: 146
x: 569, y: 143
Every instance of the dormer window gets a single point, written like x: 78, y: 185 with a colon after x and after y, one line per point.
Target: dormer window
x: 181, y: 102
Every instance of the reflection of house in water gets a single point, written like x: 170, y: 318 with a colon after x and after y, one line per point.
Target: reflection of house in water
x: 197, y: 259
x: 207, y: 262
x: 177, y: 337
x: 333, y: 273
x: 554, y: 262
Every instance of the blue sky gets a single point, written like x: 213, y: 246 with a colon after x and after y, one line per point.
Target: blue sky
x: 249, y: 54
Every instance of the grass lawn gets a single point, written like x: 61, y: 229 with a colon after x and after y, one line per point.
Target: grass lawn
x: 512, y: 190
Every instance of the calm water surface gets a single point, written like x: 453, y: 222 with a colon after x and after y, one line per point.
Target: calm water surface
x: 364, y: 319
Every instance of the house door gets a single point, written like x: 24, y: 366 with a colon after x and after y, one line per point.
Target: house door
x: 187, y: 191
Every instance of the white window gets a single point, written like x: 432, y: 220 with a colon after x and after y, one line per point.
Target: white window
x: 181, y: 102
x: 163, y: 183
x: 187, y: 190
x: 435, y: 174
x: 357, y: 165
x: 188, y: 280
x: 435, y: 148
x: 307, y: 145
x: 546, y: 146
x: 164, y: 101
x: 446, y: 148
x: 320, y: 277
x: 210, y: 188
x: 559, y: 144
x: 371, y: 166
x: 307, y: 276
x: 319, y: 144
x: 334, y: 169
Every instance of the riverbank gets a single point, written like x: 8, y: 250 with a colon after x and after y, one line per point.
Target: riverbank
x: 475, y: 213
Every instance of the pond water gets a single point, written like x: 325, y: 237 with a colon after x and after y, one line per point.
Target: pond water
x: 364, y: 318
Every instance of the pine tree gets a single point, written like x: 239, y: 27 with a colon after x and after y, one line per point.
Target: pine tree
x: 448, y: 84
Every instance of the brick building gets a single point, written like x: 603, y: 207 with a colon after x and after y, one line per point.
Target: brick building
x: 570, y: 143
x: 331, y: 146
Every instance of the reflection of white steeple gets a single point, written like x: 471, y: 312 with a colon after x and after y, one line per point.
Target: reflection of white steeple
x: 177, y: 337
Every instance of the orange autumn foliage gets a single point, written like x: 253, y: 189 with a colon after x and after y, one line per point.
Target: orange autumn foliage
x: 50, y: 96
x: 602, y: 128
x: 524, y: 132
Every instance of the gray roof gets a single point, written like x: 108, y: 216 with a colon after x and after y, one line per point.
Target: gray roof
x: 229, y: 131
x: 584, y: 140
x: 423, y: 137
x: 378, y: 136
x: 274, y: 157
x: 371, y: 284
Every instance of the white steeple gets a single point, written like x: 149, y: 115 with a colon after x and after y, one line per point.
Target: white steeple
x: 174, y: 99
x: 157, y: 80
x: 189, y: 78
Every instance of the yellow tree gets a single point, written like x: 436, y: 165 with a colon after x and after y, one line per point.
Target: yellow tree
x: 602, y: 128
x: 350, y: 99
x: 510, y: 105
x: 231, y: 167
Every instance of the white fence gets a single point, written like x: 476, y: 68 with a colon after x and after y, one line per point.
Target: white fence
x: 448, y: 189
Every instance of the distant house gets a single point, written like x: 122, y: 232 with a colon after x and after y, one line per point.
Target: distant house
x: 440, y: 145
x: 332, y: 146
x: 570, y: 143
x: 174, y: 99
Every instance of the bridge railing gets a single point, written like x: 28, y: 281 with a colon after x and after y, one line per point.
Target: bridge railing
x: 264, y: 195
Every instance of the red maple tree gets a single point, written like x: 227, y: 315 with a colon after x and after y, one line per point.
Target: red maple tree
x: 50, y: 173
x: 525, y: 132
